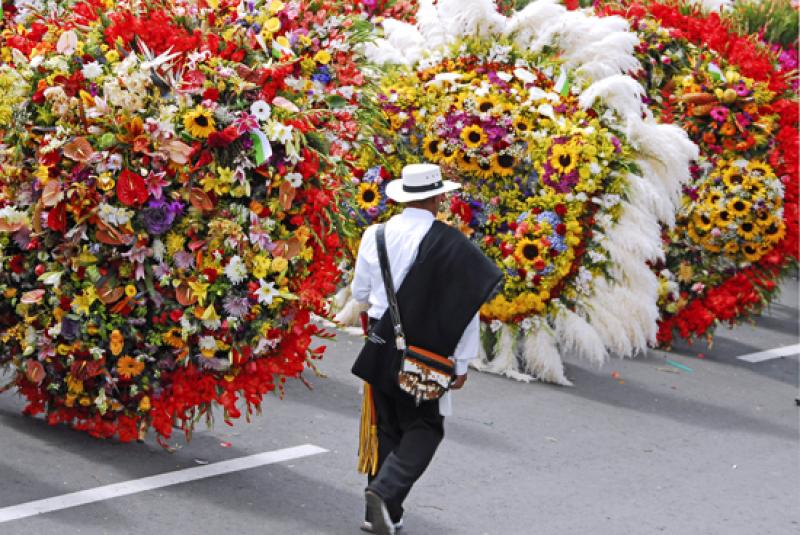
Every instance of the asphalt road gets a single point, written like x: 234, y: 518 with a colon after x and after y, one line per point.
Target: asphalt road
x: 637, y: 447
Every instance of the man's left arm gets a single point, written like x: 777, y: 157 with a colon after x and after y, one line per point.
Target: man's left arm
x: 466, y: 350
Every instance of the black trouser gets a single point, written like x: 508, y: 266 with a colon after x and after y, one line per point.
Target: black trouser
x: 408, y: 436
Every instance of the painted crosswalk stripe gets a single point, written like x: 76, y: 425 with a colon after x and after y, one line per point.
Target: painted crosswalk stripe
x: 771, y: 354
x: 125, y: 488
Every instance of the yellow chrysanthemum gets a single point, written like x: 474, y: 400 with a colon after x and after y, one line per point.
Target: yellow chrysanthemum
x: 564, y: 157
x: 369, y: 195
x: 473, y: 136
x: 199, y: 122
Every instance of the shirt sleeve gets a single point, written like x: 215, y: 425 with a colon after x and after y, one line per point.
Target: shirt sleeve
x: 361, y: 276
x: 467, y: 348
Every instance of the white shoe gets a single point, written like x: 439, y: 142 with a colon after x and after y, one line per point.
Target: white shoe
x: 376, y: 510
x: 366, y: 525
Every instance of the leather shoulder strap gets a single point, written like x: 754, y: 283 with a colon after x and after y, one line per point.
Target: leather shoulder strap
x: 388, y: 283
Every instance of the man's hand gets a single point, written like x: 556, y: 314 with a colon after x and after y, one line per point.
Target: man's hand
x: 459, y: 382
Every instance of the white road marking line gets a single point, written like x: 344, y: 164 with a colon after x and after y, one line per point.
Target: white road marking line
x: 771, y: 354
x: 97, y: 494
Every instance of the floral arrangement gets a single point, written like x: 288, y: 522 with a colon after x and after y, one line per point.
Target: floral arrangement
x: 169, y: 203
x: 733, y: 96
x: 558, y: 172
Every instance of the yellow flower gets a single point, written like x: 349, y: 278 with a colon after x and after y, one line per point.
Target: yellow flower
x: 279, y: 264
x: 747, y: 231
x: 130, y: 290
x: 503, y: 164
x: 199, y: 290
x: 564, y: 157
x: 323, y: 57
x: 738, y: 207
x: 275, y: 6
x: 473, y: 136
x: 522, y: 125
x: 723, y: 218
x: 775, y: 232
x: 174, y: 243
x: 368, y: 195
x: 732, y: 177
x: 105, y: 182
x: 526, y: 251
x: 273, y: 25
x: 486, y: 104
x: 431, y: 148
x: 199, y: 122
x: 144, y: 404
x: 261, y: 265
x: 467, y: 162
x: 751, y: 252
x: 702, y: 221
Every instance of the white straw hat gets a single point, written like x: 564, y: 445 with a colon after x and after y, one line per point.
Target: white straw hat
x: 420, y: 181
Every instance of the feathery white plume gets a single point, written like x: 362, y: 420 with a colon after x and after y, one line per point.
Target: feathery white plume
x: 575, y: 335
x: 542, y: 357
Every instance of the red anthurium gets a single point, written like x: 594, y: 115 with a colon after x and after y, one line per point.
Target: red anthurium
x: 131, y: 188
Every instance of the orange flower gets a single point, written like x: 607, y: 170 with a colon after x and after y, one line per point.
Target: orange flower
x: 129, y: 367
x: 117, y: 342
x: 709, y: 138
x: 727, y: 129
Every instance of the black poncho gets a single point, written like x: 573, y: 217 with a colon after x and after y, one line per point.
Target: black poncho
x: 446, y: 285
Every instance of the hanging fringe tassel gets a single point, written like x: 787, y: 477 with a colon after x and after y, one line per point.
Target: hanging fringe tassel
x: 368, y: 435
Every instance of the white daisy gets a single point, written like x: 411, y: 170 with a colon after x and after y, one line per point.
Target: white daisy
x: 261, y: 110
x: 236, y: 270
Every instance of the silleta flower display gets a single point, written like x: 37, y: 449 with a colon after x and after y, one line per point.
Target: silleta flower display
x: 169, y: 204
x: 554, y: 190
x: 736, y: 234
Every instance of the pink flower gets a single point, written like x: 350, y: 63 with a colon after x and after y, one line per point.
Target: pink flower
x: 719, y: 114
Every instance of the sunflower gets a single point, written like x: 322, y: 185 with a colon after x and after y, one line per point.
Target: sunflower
x: 199, y: 122
x: 474, y: 136
x: 485, y: 104
x: 775, y: 232
x: 733, y: 177
x: 763, y: 217
x: 712, y: 246
x: 702, y: 221
x: 564, y: 158
x: 753, y: 186
x: 760, y: 169
x: 723, y: 218
x: 467, y: 162
x: 747, y: 231
x: 731, y: 248
x: 714, y: 197
x: 431, y: 147
x: 738, y: 207
x: 485, y: 167
x: 522, y: 125
x: 129, y: 367
x: 449, y: 154
x: 526, y: 251
x: 369, y: 196
x: 503, y: 164
x: 751, y: 252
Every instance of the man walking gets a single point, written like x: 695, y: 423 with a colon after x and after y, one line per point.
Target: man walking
x: 442, y: 280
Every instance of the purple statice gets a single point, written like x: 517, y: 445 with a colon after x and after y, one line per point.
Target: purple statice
x: 617, y: 144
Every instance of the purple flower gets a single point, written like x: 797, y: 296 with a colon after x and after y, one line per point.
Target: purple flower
x: 183, y: 259
x: 236, y: 306
x: 70, y: 328
x: 158, y: 219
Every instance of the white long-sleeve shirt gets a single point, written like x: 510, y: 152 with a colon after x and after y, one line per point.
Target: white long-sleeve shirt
x: 404, y: 232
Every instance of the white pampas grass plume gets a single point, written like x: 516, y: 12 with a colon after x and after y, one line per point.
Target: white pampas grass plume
x: 575, y: 335
x: 503, y: 352
x: 611, y: 55
x: 542, y: 357
x: 621, y: 93
x: 530, y: 22
x: 431, y: 27
x: 470, y: 17
x: 382, y: 52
